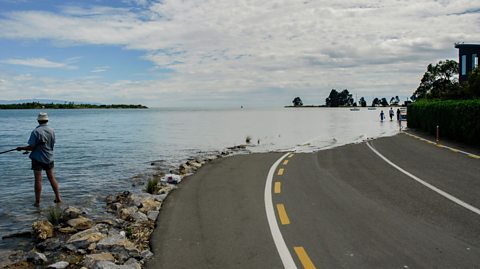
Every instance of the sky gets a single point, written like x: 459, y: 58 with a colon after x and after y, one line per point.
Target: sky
x: 224, y: 53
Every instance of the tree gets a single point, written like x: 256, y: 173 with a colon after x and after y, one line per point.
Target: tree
x: 474, y: 83
x: 362, y: 102
x: 384, y: 102
x: 336, y: 99
x: 297, y: 101
x: 332, y: 99
x: 376, y: 102
x: 440, y: 81
x: 394, y: 100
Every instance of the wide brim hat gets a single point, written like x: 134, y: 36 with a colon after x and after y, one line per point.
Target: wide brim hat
x: 42, y: 116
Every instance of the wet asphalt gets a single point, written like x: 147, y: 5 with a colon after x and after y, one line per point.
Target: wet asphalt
x: 347, y: 207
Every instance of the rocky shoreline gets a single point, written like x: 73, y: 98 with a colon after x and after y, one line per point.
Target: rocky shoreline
x: 70, y: 238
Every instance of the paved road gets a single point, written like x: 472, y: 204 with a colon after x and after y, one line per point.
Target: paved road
x: 216, y: 219
x: 346, y: 208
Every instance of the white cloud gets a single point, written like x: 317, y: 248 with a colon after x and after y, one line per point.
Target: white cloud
x: 38, y: 62
x: 100, y: 69
x: 372, y: 47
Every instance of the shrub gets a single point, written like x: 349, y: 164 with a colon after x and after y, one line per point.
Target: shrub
x: 248, y: 139
x: 54, y: 215
x: 129, y: 232
x: 152, y: 186
x: 457, y: 119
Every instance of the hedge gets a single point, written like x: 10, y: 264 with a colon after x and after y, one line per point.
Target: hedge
x: 457, y: 119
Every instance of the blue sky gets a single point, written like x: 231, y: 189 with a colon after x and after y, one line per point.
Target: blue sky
x: 225, y: 53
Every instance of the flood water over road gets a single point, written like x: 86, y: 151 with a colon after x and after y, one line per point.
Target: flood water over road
x: 98, y: 152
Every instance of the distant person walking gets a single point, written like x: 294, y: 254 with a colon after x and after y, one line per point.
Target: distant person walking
x: 382, y: 115
x: 41, y: 142
x: 398, y: 114
x: 391, y: 114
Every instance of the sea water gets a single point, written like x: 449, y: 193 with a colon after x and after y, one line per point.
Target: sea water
x: 98, y: 152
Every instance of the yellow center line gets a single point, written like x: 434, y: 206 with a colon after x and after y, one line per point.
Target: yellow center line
x: 290, y: 156
x: 280, y: 171
x: 285, y: 162
x: 443, y: 146
x: 282, y: 213
x: 303, y: 257
x: 278, y: 187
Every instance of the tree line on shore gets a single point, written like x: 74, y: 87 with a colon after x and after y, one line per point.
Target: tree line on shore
x: 68, y: 105
x: 345, y: 99
x: 440, y: 102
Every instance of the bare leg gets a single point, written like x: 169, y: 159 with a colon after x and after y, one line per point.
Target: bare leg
x: 54, y: 184
x: 38, y: 187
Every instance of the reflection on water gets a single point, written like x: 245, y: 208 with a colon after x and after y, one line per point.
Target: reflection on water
x: 99, y: 151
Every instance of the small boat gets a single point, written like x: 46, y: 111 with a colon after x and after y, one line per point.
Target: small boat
x: 354, y: 109
x: 372, y: 108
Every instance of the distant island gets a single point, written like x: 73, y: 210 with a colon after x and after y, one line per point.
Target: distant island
x: 69, y: 105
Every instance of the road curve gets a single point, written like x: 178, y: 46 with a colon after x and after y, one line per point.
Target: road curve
x: 339, y: 208
x: 216, y: 219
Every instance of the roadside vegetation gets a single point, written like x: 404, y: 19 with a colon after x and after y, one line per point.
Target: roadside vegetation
x: 37, y: 105
x: 441, y: 100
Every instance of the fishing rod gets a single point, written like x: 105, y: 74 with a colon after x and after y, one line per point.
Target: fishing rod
x: 25, y: 152
x: 8, y: 151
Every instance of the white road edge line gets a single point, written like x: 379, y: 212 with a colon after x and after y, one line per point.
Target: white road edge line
x: 282, y: 248
x: 428, y: 185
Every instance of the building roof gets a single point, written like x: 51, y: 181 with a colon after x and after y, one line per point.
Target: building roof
x: 467, y: 46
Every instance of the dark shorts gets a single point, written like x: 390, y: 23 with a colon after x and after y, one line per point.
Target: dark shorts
x: 38, y: 166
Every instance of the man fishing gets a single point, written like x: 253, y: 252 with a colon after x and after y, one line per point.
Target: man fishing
x: 41, y: 142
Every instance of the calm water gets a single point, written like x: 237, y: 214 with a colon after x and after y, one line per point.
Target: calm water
x: 99, y: 151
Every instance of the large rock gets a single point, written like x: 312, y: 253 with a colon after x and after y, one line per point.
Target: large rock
x: 119, y: 245
x: 71, y: 213
x: 90, y: 260
x: 84, y: 238
x: 50, y: 244
x: 136, y: 199
x: 42, y: 229
x: 149, y: 205
x: 116, y: 241
x: 147, y: 254
x: 130, y: 264
x: 80, y: 223
x: 128, y: 213
x: 67, y: 230
x: 58, y: 265
x: 139, y: 217
x: 36, y: 257
x: 185, y: 169
x: 153, y: 215
x: 195, y: 164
